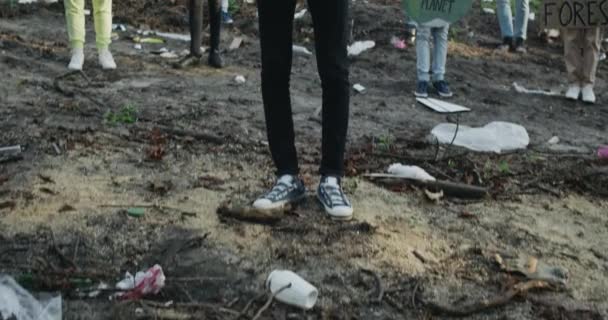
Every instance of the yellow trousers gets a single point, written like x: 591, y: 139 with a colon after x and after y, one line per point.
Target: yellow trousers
x: 102, y: 12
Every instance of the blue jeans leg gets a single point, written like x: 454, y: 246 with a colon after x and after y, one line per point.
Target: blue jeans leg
x: 440, y: 52
x: 505, y: 17
x: 423, y: 53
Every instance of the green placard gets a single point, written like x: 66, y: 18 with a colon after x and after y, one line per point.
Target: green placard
x: 436, y: 13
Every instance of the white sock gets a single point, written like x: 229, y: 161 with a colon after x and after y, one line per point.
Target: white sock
x: 106, y: 60
x: 77, y: 60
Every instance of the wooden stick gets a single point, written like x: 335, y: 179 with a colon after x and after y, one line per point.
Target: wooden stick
x: 495, y: 302
x: 379, y: 286
x: 251, y: 214
x: 453, y: 189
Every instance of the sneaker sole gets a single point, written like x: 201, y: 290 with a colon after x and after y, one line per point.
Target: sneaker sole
x: 332, y: 217
x: 443, y: 95
x: 420, y: 95
x: 283, y: 204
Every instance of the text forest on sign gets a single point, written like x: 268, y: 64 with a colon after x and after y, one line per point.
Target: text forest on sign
x: 574, y: 13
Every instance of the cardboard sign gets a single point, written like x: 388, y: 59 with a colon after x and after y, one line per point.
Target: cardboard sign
x: 574, y: 13
x: 436, y: 13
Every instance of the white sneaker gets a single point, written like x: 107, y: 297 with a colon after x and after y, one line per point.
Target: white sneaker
x: 574, y: 91
x: 106, y: 60
x: 333, y: 199
x: 588, y: 94
x: 77, y: 60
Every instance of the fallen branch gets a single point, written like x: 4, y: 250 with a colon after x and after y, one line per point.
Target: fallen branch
x: 499, y: 301
x: 452, y: 189
x: 249, y: 304
x: 194, y: 134
x: 251, y: 214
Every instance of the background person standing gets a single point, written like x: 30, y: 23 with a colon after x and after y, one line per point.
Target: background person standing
x: 75, y: 18
x: 514, y: 33
x: 195, y: 11
x: 582, y: 54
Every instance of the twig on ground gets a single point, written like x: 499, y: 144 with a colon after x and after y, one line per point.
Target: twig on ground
x: 190, y: 305
x: 269, y: 302
x: 499, y: 301
x: 249, y: 304
x: 379, y: 286
x: 65, y: 260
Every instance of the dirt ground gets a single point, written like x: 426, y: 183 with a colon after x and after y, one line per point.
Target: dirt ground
x: 181, y: 143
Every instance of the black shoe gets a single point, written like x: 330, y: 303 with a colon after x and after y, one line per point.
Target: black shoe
x: 288, y: 189
x: 443, y: 89
x: 215, y: 59
x: 519, y: 45
x: 188, y: 61
x: 506, y: 45
x: 422, y: 89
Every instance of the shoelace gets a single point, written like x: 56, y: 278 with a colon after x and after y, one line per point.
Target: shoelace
x: 336, y: 196
x: 278, y: 191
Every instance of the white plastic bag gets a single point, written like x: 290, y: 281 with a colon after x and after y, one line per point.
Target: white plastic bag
x: 410, y: 172
x: 16, y: 301
x: 144, y: 283
x: 494, y: 137
x: 358, y: 47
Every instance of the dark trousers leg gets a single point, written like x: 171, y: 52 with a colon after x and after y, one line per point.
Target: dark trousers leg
x: 195, y: 12
x: 215, y: 24
x: 276, y: 26
x: 330, y: 19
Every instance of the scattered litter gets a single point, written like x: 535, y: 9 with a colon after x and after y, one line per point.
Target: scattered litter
x: 119, y: 27
x: 358, y: 47
x: 359, y: 88
x: 302, y: 50
x: 553, y: 140
x: 17, y: 303
x: 398, y: 43
x: 149, y: 40
x: 602, y: 152
x: 488, y: 11
x: 144, y: 283
x: 101, y: 287
x: 520, y: 89
x: 433, y: 196
x: 410, y: 172
x: 603, y: 56
x: 174, y: 36
x: 87, y: 12
x: 136, y: 212
x: 137, y: 46
x: 442, y: 106
x: 532, y: 268
x: 291, y: 289
x: 169, y: 55
x: 240, y: 79
x: 532, y: 16
x: 496, y: 136
x: 300, y: 14
x: 236, y: 43
x: 12, y: 150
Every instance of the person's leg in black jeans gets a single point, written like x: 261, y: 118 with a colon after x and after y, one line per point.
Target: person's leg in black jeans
x: 330, y: 19
x: 276, y: 26
x: 215, y: 25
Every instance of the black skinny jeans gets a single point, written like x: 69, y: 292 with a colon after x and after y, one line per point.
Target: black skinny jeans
x: 331, y: 36
x: 195, y: 10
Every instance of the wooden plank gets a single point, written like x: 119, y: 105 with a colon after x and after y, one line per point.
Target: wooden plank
x: 571, y: 14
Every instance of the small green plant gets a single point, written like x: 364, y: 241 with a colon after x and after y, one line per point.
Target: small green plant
x: 385, y: 141
x: 233, y: 6
x: 503, y: 167
x: 126, y: 115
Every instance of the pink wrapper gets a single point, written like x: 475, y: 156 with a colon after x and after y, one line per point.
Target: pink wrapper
x: 602, y: 152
